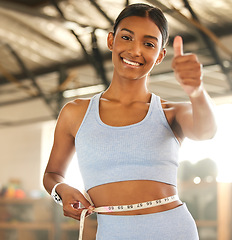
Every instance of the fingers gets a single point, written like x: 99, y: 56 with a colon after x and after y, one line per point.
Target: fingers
x: 70, y: 211
x: 187, y: 68
x: 83, y: 200
x: 72, y: 195
x: 73, y: 202
x: 178, y: 46
x: 187, y: 63
x: 74, y: 210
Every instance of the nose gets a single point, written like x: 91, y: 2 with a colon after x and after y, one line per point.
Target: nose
x: 135, y: 49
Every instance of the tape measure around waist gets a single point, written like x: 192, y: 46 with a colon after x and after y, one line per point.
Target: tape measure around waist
x: 125, y: 208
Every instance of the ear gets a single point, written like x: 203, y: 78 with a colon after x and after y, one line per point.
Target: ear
x: 110, y: 41
x: 161, y: 56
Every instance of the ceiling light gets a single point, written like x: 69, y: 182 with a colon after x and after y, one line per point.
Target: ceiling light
x: 83, y: 91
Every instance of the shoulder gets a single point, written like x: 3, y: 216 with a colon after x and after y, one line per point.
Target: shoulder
x: 72, y: 114
x: 76, y: 106
x: 176, y: 107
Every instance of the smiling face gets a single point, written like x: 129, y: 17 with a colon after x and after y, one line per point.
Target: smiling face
x: 136, y: 47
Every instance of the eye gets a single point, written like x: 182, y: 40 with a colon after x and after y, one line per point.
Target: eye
x: 149, y: 44
x: 126, y: 37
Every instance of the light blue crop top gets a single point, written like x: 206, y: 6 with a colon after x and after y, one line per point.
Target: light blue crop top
x: 147, y: 150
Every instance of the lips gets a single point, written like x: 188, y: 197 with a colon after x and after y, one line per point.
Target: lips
x: 132, y: 63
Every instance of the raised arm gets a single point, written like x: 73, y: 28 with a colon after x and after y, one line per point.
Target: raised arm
x: 61, y: 154
x: 196, y: 119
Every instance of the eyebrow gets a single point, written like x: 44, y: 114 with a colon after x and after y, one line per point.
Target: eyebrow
x: 146, y: 36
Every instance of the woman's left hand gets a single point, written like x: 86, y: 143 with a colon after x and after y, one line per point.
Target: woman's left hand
x: 187, y: 68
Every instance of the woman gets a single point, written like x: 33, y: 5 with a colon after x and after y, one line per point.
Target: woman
x: 127, y: 139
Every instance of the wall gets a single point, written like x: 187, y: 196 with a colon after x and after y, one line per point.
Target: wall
x: 20, y: 154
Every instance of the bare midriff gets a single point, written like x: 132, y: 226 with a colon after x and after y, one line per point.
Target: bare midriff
x: 131, y: 192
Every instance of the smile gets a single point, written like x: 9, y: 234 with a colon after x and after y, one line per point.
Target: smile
x: 131, y: 63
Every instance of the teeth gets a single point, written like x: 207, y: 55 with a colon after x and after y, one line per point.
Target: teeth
x: 131, y: 63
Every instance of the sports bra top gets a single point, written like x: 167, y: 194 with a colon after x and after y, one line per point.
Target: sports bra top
x: 147, y: 150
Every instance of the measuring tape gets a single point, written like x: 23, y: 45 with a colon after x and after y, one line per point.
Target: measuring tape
x: 125, y: 208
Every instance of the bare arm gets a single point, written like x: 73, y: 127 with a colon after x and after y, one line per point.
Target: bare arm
x: 196, y: 119
x: 60, y: 157
x: 61, y: 154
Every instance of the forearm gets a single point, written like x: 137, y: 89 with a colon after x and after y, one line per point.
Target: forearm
x: 50, y: 180
x: 204, y: 123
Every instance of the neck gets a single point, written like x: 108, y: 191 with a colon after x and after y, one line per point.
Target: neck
x: 128, y: 91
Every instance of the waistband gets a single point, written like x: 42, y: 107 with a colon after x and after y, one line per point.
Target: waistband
x: 125, y: 208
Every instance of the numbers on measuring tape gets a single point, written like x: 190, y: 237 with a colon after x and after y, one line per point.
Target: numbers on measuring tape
x: 111, y: 208
x: 135, y: 206
x: 126, y: 208
x: 139, y: 205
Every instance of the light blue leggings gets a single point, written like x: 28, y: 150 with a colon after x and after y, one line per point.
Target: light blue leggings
x: 174, y: 224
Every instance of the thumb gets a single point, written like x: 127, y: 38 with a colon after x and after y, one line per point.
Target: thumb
x: 178, y: 46
x: 83, y: 201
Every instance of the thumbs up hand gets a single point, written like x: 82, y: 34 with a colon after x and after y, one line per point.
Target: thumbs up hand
x: 187, y: 68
